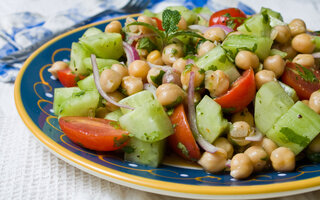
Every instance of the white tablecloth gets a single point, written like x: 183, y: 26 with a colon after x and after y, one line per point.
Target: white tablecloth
x: 29, y: 171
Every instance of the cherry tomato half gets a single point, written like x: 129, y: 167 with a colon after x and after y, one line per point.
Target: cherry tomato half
x: 231, y: 17
x: 240, y: 95
x: 94, y: 133
x: 67, y: 78
x: 303, y: 80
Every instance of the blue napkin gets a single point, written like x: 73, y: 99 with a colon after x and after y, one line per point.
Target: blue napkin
x: 20, y: 31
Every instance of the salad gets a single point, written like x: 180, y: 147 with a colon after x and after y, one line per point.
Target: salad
x: 231, y: 92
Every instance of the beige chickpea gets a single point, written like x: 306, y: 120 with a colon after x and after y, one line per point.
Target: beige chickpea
x: 267, y: 144
x: 246, y: 59
x: 205, y: 47
x: 110, y: 80
x: 314, y: 101
x: 185, y: 76
x: 116, y: 96
x: 132, y: 84
x: 241, y: 166
x: 154, y: 57
x: 306, y: 60
x: 101, y: 112
x: 275, y: 63
x: 182, y: 25
x: 113, y: 27
x: 57, y: 66
x: 179, y: 65
x: 239, y: 131
x: 287, y: 48
x: 314, y: 146
x: 303, y: 43
x: 258, y: 157
x: 171, y: 76
x: 305, y: 102
x: 264, y: 76
x: 283, y: 33
x: 132, y: 28
x: 243, y: 115
x: 215, y: 34
x: 121, y: 69
x: 214, y: 162
x: 148, y: 20
x: 171, y: 53
x: 143, y: 53
x: 224, y: 144
x: 283, y: 159
x: 297, y: 26
x: 155, y: 71
x: 139, y: 68
x: 170, y: 94
x: 217, y: 82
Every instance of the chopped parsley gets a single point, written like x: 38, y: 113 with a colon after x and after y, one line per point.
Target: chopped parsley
x: 183, y: 149
x: 158, y: 78
x: 292, y: 136
x: 146, y: 43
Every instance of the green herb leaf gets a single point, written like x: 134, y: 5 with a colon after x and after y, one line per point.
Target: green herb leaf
x: 306, y: 74
x: 78, y: 94
x: 158, y: 79
x: 170, y: 20
x: 183, y: 149
x: 146, y: 43
x: 187, y: 33
x: 187, y: 68
x: 120, y: 141
x: 128, y: 149
x: 170, y: 111
x: 291, y: 136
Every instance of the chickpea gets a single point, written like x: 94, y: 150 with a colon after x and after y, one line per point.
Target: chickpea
x: 275, y: 63
x: 172, y: 77
x: 283, y: 33
x: 283, y: 159
x: 215, y: 34
x: 314, y: 146
x: 133, y: 28
x: 238, y: 132
x: 139, y: 68
x: 258, y: 157
x: 169, y: 94
x: 57, y: 66
x: 305, y: 102
x: 243, y: 115
x: 110, y: 80
x: 179, y: 65
x: 171, y: 53
x: 182, y: 25
x: 155, y: 71
x: 246, y: 59
x: 291, y: 53
x: 122, y: 70
x: 154, y: 57
x: 303, y: 43
x: 264, y: 76
x: 116, y: 96
x: 132, y: 84
x: 267, y: 144
x: 142, y: 53
x: 241, y: 166
x: 185, y: 77
x: 205, y: 47
x: 224, y: 144
x: 314, y: 101
x: 306, y: 60
x: 217, y: 82
x: 214, y: 162
x: 297, y: 26
x: 101, y: 112
x: 113, y: 27
x: 148, y: 20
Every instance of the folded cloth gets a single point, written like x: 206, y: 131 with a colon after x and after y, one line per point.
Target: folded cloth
x: 26, y: 31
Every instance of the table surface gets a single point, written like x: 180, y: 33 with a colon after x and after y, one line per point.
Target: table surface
x: 29, y: 171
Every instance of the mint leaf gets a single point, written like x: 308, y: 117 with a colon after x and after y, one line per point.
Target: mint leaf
x: 170, y: 20
x: 158, y: 79
x: 188, y: 33
x: 306, y: 74
x: 146, y: 43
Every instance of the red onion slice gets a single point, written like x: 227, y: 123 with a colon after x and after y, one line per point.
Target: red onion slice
x: 205, y: 16
x: 205, y: 28
x: 256, y: 137
x: 316, y: 55
x: 131, y: 53
x: 96, y: 78
x: 162, y: 67
x: 193, y: 121
x: 151, y: 88
x: 225, y: 28
x: 190, y: 61
x: 228, y: 163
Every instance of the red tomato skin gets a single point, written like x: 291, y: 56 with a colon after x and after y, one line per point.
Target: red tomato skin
x: 159, y: 23
x: 67, y: 78
x: 218, y: 18
x: 182, y: 134
x: 240, y: 95
x: 94, y: 133
x: 303, y: 88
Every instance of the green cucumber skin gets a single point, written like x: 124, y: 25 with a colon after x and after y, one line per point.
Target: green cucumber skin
x: 137, y: 100
x: 87, y: 83
x: 210, y: 121
x: 303, y: 125
x: 115, y: 115
x: 256, y: 25
x: 91, y: 31
x: 60, y: 95
x: 146, y: 153
x: 290, y: 91
x: 101, y: 63
x: 271, y: 103
x: 78, y: 53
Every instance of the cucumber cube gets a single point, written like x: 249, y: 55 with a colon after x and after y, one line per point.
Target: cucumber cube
x: 136, y: 100
x: 115, y: 115
x: 78, y: 53
x: 256, y: 25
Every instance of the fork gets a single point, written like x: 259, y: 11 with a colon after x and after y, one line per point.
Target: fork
x: 133, y: 6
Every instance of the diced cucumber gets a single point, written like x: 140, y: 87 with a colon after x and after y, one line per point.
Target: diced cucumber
x: 91, y: 31
x: 290, y: 91
x: 216, y: 59
x: 145, y: 153
x: 83, y: 103
x: 87, y: 83
x: 296, y: 128
x: 136, y: 100
x: 257, y: 25
x: 104, y: 45
x: 101, y: 63
x: 149, y: 122
x: 115, y: 115
x: 210, y: 121
x: 278, y: 52
x: 78, y: 53
x: 270, y: 104
x: 60, y: 95
x: 316, y: 41
x: 259, y: 45
x: 271, y: 13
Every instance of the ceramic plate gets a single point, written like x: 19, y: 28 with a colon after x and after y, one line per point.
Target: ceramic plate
x: 34, y: 89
